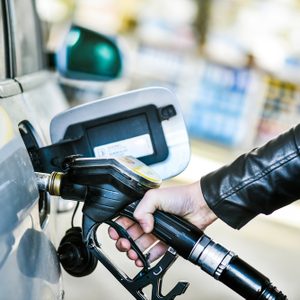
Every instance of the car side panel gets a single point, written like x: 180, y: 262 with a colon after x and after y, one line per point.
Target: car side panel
x: 29, y: 268
x: 43, y: 99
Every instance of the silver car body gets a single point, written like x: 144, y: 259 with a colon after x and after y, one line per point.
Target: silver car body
x: 29, y: 95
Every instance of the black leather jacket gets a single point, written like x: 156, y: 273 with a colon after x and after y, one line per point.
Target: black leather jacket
x: 260, y: 181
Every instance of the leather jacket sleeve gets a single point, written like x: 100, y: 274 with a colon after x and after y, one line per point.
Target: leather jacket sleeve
x: 260, y: 181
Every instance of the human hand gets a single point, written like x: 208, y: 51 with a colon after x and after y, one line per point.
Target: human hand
x: 185, y: 201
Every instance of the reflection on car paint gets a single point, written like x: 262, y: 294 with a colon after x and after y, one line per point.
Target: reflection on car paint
x: 29, y: 256
x: 6, y: 128
x: 17, y: 189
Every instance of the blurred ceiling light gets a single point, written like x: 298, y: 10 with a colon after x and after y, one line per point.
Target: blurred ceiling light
x: 98, y: 15
x: 226, y: 50
x: 55, y: 11
x: 171, y: 11
x: 271, y: 53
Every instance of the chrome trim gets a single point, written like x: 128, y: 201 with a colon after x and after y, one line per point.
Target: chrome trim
x: 3, y: 51
x: 224, y: 263
x: 198, y: 248
x: 54, y: 183
x: 211, y: 258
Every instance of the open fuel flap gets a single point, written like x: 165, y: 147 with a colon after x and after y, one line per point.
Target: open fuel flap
x: 146, y: 123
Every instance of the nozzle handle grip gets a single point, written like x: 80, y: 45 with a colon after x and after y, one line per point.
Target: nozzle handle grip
x: 173, y: 230
x: 176, y: 232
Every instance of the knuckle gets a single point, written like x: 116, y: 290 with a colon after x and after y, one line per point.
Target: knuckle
x: 124, y: 222
x: 138, y: 215
x: 122, y: 245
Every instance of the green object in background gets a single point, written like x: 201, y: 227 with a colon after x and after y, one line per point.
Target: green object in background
x: 89, y: 55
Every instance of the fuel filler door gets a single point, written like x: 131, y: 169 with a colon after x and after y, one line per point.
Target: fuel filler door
x: 146, y: 123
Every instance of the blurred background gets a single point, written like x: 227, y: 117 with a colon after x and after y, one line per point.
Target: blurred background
x: 235, y: 67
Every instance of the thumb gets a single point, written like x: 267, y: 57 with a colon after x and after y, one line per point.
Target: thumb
x: 144, y: 212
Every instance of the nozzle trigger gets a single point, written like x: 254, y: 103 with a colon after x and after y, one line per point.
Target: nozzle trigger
x: 147, y: 276
x: 123, y: 233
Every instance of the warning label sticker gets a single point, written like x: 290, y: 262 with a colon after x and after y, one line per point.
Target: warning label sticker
x: 137, y: 146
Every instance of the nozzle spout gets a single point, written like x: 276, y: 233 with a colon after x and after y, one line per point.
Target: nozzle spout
x: 49, y: 182
x: 42, y: 180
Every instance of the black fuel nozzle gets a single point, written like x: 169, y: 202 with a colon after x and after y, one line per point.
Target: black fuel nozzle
x: 59, y: 184
x: 105, y: 185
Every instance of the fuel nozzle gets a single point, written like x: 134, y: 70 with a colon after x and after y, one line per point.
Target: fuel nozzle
x: 59, y: 184
x: 105, y: 185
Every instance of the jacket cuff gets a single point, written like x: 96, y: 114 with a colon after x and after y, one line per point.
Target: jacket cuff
x: 226, y: 209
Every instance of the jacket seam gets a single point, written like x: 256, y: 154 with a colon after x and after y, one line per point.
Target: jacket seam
x: 260, y: 175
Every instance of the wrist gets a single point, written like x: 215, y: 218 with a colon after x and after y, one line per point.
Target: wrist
x: 205, y: 215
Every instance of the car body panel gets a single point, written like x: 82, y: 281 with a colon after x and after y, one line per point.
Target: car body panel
x: 43, y: 98
x: 29, y: 266
x: 28, y: 258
